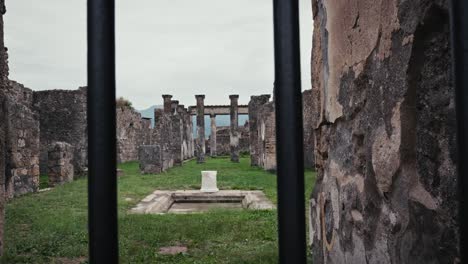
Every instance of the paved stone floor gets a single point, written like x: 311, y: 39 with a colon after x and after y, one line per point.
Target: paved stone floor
x: 190, y: 201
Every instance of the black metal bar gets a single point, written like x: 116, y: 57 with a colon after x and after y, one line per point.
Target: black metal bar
x: 459, y: 31
x: 289, y: 134
x: 102, y: 179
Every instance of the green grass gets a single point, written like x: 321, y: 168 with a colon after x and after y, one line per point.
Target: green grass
x: 52, y: 226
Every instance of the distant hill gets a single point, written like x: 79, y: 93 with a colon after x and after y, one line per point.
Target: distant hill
x: 149, y: 112
x: 221, y: 120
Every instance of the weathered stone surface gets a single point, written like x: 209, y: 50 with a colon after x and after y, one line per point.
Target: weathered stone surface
x: 385, y: 133
x: 254, y: 106
x: 3, y: 118
x: 22, y: 141
x: 62, y: 116
x: 161, y: 136
x: 200, y: 142
x: 213, y: 136
x: 132, y: 132
x: 167, y: 103
x: 60, y: 163
x: 266, y: 130
x: 309, y: 138
x: 2, y: 155
x: 151, y: 161
x: 177, y: 137
x: 234, y: 132
x: 223, y: 140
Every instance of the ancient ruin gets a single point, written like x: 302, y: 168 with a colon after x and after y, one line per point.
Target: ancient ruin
x: 60, y: 163
x: 133, y: 131
x: 62, y: 117
x: 385, y: 134
x: 217, y: 140
x: 3, y: 118
x: 379, y: 128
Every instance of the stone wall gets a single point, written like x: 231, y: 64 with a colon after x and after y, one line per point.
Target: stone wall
x: 256, y: 102
x: 266, y: 130
x: 309, y: 138
x: 151, y: 159
x: 132, y: 132
x: 223, y: 140
x: 60, y: 163
x: 385, y: 133
x: 161, y: 136
x: 62, y: 116
x: 3, y: 86
x: 22, y: 141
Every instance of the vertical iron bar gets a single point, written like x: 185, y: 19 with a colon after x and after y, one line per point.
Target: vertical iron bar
x: 102, y: 179
x: 459, y: 31
x: 289, y: 133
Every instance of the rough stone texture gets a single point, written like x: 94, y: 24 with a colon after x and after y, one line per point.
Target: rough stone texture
x: 200, y: 148
x: 267, y: 136
x: 182, y: 112
x: 132, y: 132
x: 167, y: 103
x: 234, y: 133
x: 22, y: 141
x: 161, y: 136
x: 177, y: 133
x: 60, y: 167
x: 254, y: 105
x: 62, y: 116
x: 151, y: 159
x: 3, y: 117
x: 309, y: 138
x: 385, y: 133
x: 223, y: 140
x: 213, y: 147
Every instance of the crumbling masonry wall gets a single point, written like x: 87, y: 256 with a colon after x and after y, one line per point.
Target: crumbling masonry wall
x: 223, y: 147
x: 262, y: 125
x: 161, y: 136
x: 132, y: 132
x: 266, y: 130
x: 256, y: 102
x: 3, y: 87
x: 309, y: 137
x: 62, y: 115
x: 385, y: 133
x: 60, y: 168
x: 21, y: 140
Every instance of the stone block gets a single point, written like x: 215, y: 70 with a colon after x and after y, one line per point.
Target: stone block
x: 60, y: 163
x: 209, y: 182
x: 151, y: 161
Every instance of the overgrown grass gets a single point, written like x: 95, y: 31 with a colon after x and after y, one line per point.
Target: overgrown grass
x: 51, y: 227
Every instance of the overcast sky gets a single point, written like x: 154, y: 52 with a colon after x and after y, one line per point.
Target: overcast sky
x: 179, y: 47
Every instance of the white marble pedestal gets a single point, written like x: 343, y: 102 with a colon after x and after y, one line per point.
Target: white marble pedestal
x: 209, y: 181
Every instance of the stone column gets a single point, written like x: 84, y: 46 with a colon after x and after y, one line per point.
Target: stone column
x: 234, y: 132
x: 213, y: 136
x: 181, y: 112
x: 254, y: 106
x: 157, y: 115
x: 59, y: 163
x: 174, y: 105
x: 167, y: 103
x: 190, y: 135
x: 200, y: 128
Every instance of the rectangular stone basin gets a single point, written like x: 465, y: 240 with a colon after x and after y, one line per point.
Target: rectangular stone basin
x: 192, y: 201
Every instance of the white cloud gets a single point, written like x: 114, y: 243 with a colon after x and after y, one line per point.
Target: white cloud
x: 180, y: 47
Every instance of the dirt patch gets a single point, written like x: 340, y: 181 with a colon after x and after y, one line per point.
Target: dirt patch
x: 173, y: 250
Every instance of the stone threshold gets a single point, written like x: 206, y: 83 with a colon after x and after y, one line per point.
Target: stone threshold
x: 161, y: 202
